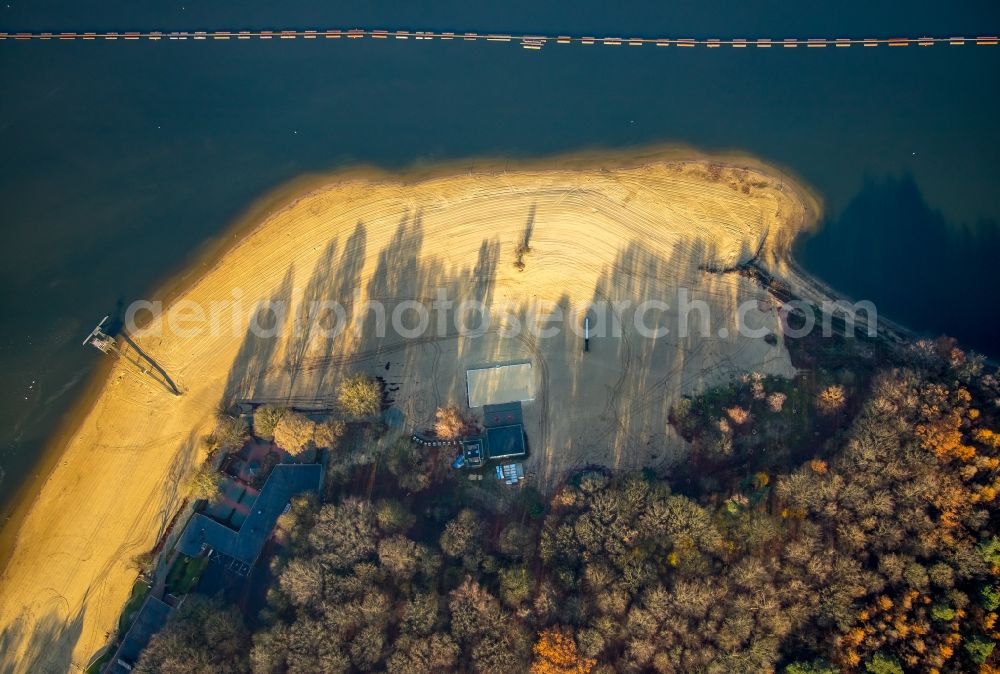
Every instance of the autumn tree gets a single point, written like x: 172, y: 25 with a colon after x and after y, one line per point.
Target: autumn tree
x: 230, y: 432
x: 399, y: 555
x: 881, y: 556
x: 494, y: 642
x: 450, y: 423
x: 555, y: 653
x: 265, y: 420
x: 516, y: 541
x: 831, y: 399
x: 393, y: 517
x: 738, y: 415
x: 295, y: 433
x: 436, y: 653
x: 204, y: 483
x: 461, y: 537
x: 411, y: 465
x: 359, y: 396
x: 516, y: 585
x: 328, y: 432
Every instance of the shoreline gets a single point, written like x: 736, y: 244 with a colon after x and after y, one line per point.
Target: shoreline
x: 211, y: 268
x: 287, y: 194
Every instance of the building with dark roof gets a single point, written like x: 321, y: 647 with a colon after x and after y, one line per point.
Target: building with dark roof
x: 506, y: 442
x: 152, y: 617
x: 508, y: 414
x: 502, y: 439
x: 243, y: 545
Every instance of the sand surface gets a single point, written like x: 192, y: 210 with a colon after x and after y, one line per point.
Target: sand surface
x: 598, y: 236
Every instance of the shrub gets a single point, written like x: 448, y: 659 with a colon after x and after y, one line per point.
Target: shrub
x: 522, y: 249
x: 142, y: 563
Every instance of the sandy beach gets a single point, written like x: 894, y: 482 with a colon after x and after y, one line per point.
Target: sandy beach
x: 601, y: 229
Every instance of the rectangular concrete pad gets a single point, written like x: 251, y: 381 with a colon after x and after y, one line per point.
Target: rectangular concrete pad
x: 500, y: 384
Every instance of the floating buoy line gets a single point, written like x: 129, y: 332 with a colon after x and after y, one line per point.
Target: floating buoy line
x: 533, y: 42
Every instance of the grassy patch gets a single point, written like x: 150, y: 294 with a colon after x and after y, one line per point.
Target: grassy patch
x: 138, y: 595
x: 184, y: 574
x: 97, y: 665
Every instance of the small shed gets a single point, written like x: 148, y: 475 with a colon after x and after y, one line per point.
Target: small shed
x: 474, y: 452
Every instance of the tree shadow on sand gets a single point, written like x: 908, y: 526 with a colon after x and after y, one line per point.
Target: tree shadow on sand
x: 259, y: 345
x: 47, y: 649
x: 339, y: 288
x: 404, y: 272
x: 173, y: 493
x: 304, y: 323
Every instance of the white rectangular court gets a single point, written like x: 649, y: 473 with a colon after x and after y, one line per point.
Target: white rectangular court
x: 500, y: 384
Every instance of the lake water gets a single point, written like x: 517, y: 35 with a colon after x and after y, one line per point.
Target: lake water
x: 120, y: 160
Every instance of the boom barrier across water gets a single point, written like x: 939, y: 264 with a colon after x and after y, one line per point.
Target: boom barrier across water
x: 535, y: 42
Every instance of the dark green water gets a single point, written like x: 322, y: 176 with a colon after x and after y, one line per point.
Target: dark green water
x: 121, y: 159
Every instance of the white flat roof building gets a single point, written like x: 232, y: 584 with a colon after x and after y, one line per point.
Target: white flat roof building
x: 500, y: 384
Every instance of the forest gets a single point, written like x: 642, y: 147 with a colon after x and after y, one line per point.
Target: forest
x: 841, y: 522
